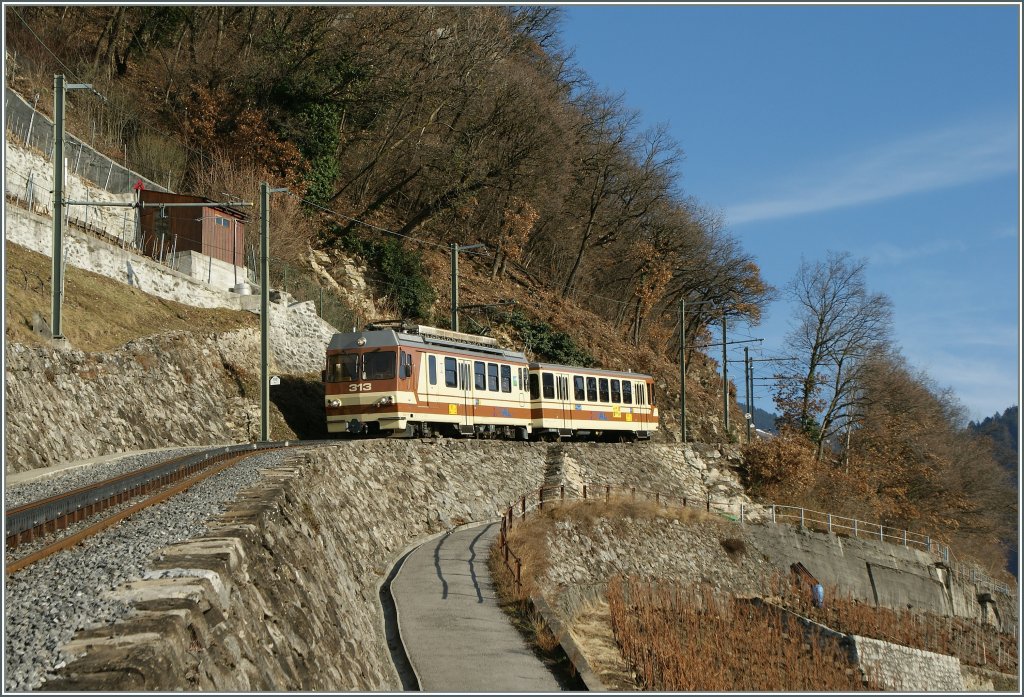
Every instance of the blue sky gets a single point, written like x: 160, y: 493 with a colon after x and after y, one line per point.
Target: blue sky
x: 890, y: 132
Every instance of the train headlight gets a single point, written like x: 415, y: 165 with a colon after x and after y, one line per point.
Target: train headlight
x: 334, y: 403
x: 383, y: 401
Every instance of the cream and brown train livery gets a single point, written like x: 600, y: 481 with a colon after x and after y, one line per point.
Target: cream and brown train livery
x: 421, y: 381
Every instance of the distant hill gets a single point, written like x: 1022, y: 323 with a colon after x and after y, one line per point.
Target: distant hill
x: 763, y: 420
x: 1002, y: 429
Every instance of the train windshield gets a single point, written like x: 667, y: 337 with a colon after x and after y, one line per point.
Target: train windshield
x: 379, y: 365
x: 342, y: 367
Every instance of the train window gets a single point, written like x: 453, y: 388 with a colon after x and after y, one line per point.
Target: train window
x: 563, y: 388
x: 616, y: 393
x: 549, y: 385
x: 506, y: 378
x: 479, y: 375
x: 534, y: 386
x: 627, y: 392
x: 650, y: 389
x: 451, y: 375
x: 577, y: 388
x: 379, y: 365
x: 641, y: 392
x: 603, y: 389
x: 342, y: 367
x: 492, y: 377
x: 432, y: 369
x: 591, y: 389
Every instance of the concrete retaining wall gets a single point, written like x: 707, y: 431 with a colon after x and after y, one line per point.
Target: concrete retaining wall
x: 35, y: 232
x: 878, y: 573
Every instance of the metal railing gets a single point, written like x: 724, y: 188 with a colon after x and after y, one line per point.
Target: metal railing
x: 740, y: 512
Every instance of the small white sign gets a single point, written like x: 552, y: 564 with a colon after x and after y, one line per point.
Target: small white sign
x: 275, y: 380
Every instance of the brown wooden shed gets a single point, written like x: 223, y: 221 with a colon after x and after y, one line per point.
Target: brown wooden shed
x: 215, y: 231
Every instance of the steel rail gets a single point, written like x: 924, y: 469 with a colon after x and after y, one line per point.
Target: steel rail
x: 101, y: 525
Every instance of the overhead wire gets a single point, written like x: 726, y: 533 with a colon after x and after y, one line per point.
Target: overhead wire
x: 307, y: 202
x: 43, y: 44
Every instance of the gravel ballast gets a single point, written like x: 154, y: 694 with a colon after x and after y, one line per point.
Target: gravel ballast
x: 45, y: 604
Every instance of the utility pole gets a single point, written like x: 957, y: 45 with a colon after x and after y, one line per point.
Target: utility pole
x: 752, y: 395
x: 725, y: 378
x: 682, y: 369
x: 57, y: 253
x: 265, y: 192
x: 57, y: 257
x: 264, y: 312
x: 747, y: 372
x: 455, y: 249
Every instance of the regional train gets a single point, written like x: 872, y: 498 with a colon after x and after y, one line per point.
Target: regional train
x: 417, y: 381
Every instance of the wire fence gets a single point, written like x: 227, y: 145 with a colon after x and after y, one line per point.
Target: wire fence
x: 227, y: 261
x: 34, y: 130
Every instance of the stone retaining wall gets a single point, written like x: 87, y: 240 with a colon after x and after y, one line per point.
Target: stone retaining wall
x: 903, y: 669
x: 281, y: 594
x: 67, y: 405
x: 692, y: 470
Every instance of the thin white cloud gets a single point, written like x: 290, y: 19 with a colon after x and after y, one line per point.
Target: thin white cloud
x: 887, y: 253
x: 935, y: 160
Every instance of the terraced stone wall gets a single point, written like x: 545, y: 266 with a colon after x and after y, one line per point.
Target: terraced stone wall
x: 282, y: 593
x: 173, y: 389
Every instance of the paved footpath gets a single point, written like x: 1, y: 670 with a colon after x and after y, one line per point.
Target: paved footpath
x: 457, y: 637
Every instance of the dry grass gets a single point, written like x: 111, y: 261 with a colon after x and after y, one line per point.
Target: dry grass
x: 591, y: 628
x: 99, y: 314
x: 685, y: 638
x: 528, y: 539
x: 523, y: 616
x: 973, y: 643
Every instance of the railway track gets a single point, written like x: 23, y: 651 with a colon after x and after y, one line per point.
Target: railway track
x: 46, y: 518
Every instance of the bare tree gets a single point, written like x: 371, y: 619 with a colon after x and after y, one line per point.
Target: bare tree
x: 838, y: 323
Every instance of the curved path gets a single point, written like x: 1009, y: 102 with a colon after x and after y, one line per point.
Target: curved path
x: 456, y: 636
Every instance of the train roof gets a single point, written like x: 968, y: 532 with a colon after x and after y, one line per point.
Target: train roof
x: 421, y: 336
x: 534, y: 365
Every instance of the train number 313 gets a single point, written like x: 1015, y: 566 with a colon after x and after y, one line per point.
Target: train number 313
x: 361, y: 387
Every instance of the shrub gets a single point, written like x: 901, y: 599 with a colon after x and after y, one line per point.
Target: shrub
x: 547, y: 343
x: 787, y: 459
x: 400, y: 273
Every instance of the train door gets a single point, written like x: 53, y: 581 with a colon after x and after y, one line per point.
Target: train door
x: 562, y: 393
x: 406, y: 382
x: 430, y: 384
x: 466, y: 385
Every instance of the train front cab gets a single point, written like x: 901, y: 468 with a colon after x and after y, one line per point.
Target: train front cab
x: 365, y: 389
x: 398, y: 384
x: 591, y: 404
